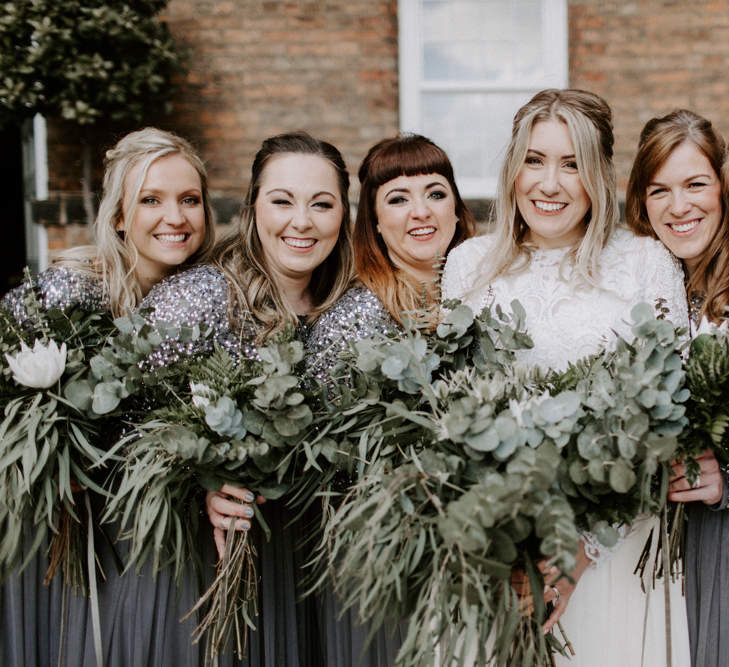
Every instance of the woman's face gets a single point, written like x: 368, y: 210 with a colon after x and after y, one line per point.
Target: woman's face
x: 683, y: 203
x: 549, y: 191
x: 168, y: 224
x: 416, y: 216
x: 298, y: 214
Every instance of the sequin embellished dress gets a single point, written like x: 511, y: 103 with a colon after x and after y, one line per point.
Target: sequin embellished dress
x: 608, y: 612
x: 30, y: 626
x: 287, y: 633
x: 707, y: 575
x: 358, y: 314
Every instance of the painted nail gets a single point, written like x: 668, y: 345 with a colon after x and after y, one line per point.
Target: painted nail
x: 248, y: 497
x: 248, y: 511
x: 244, y: 525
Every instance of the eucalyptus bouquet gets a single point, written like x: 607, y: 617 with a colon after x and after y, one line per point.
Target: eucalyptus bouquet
x: 48, y: 443
x: 237, y: 420
x: 707, y: 412
x: 477, y: 467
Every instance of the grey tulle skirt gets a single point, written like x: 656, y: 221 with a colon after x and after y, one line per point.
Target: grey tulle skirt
x: 707, y: 585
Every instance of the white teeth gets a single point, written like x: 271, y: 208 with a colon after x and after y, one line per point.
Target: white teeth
x: 299, y: 243
x: 549, y: 206
x: 171, y: 238
x: 684, y: 227
x: 422, y: 231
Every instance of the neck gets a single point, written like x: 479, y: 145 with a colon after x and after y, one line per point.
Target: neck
x: 296, y: 293
x: 146, y: 281
x: 690, y: 266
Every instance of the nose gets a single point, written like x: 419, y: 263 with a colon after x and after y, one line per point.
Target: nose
x: 300, y: 219
x: 680, y: 204
x: 421, y: 208
x: 550, y: 180
x: 173, y: 214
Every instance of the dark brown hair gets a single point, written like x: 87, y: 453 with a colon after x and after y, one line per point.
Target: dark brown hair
x: 241, y: 256
x: 404, y: 155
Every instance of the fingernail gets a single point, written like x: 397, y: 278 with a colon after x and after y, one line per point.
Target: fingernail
x: 248, y: 511
x: 244, y: 525
x: 248, y: 497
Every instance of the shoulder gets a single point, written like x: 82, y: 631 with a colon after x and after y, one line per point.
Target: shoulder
x: 189, y: 297
x: 471, y: 250
x: 59, y: 287
x: 359, y: 308
x: 641, y: 253
x: 464, y: 264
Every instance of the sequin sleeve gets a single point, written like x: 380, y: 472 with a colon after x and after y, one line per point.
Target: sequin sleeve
x: 58, y: 287
x: 196, y: 297
x: 356, y: 315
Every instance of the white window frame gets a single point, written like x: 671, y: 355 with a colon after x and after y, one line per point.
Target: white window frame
x: 554, y: 21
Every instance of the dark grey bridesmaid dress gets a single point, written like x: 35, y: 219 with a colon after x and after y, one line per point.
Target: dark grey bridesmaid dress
x: 358, y: 314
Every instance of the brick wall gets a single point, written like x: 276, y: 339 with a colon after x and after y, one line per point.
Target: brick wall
x: 649, y: 57
x: 258, y: 67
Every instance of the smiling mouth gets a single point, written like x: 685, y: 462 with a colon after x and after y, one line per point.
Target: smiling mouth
x: 292, y: 242
x: 548, y: 206
x: 422, y: 231
x: 172, y: 238
x: 684, y: 227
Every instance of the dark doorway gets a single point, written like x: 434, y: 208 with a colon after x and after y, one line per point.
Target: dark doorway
x: 12, y: 248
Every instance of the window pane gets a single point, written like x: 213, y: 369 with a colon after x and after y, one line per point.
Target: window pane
x: 473, y: 128
x: 477, y: 40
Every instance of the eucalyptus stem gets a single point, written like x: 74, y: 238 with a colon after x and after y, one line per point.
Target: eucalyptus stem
x: 232, y: 600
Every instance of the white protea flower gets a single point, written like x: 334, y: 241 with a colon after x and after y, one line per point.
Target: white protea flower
x: 40, y: 367
x: 201, y: 394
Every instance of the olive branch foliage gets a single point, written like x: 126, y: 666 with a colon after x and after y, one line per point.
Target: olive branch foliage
x: 476, y: 466
x: 240, y: 420
x: 48, y: 442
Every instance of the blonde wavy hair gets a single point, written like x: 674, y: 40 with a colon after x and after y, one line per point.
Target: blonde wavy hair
x: 114, y: 257
x: 589, y: 121
x: 254, y: 293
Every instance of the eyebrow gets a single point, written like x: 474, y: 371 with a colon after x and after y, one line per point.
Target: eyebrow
x: 291, y: 194
x: 685, y: 180
x: 571, y: 156
x: 427, y: 187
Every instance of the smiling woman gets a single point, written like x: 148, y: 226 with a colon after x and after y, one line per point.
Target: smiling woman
x: 288, y: 261
x: 154, y: 218
x: 676, y: 192
x: 558, y: 250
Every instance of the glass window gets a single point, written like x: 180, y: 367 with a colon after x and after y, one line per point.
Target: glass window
x: 465, y: 68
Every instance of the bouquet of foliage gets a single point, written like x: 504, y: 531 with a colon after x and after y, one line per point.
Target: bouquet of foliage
x: 48, y: 443
x: 707, y: 413
x: 237, y: 420
x: 476, y: 467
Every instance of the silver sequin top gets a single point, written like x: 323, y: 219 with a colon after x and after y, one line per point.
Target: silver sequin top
x: 198, y: 296
x: 358, y: 314
x: 59, y: 287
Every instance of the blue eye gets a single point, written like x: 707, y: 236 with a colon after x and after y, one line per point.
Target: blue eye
x: 149, y: 200
x: 533, y: 160
x: 191, y: 201
x: 438, y: 194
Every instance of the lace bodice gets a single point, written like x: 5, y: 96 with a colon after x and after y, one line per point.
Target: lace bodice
x: 569, y: 321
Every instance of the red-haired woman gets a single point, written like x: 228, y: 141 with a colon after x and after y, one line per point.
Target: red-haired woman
x: 410, y: 216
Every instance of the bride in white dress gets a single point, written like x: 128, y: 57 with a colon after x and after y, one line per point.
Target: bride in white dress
x: 557, y: 248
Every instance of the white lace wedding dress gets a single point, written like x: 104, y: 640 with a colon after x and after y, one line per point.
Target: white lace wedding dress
x: 608, y: 611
